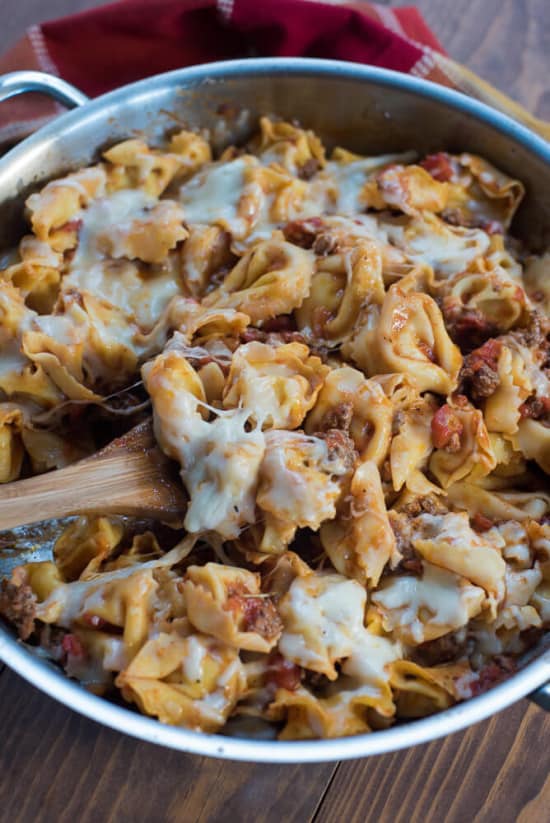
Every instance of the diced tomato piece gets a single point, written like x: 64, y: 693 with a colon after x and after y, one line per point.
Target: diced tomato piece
x: 303, y: 232
x: 492, y: 227
x: 247, y: 605
x: 535, y: 408
x: 250, y: 335
x: 489, y: 352
x: 284, y: 322
x: 446, y: 427
x: 72, y: 225
x: 493, y: 673
x: 235, y: 602
x: 258, y: 613
x: 439, y: 166
x: 467, y: 323
x: 481, y: 523
x: 72, y: 646
x: 486, y: 356
x: 282, y: 673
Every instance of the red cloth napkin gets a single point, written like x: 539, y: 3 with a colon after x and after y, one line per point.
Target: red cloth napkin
x: 107, y: 47
x: 100, y: 49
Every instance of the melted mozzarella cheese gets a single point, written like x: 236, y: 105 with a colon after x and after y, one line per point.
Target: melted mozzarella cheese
x: 219, y: 460
x: 226, y: 195
x: 64, y: 329
x: 213, y: 195
x: 193, y: 662
x: 297, y: 478
x: 15, y: 320
x: 370, y: 657
x: 322, y: 616
x: 12, y: 359
x: 111, y: 211
x: 115, y: 657
x: 448, y: 541
x: 278, y: 384
x: 70, y: 600
x: 220, y: 470
x: 343, y: 183
x: 536, y: 375
x: 516, y: 549
x: 520, y: 586
x: 420, y: 609
x: 141, y: 296
x: 448, y: 250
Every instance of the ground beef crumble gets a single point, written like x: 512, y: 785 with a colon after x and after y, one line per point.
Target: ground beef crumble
x: 458, y: 217
x: 468, y: 328
x: 262, y: 617
x: 309, y: 169
x: 259, y: 614
x: 18, y: 606
x: 339, y: 417
x: 340, y: 446
x: 478, y: 376
x: 303, y: 232
x: 495, y: 672
x: 325, y: 244
x: 426, y: 504
x: 441, y: 650
x: 282, y: 674
x: 480, y: 523
x: 274, y: 339
x: 535, y: 408
x: 411, y: 562
x: 534, y: 335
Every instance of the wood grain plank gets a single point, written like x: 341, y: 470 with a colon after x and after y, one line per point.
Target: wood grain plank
x: 58, y: 766
x: 24, y: 14
x: 505, y: 41
x: 495, y: 771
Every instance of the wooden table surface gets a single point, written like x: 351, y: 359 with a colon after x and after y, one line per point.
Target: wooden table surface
x: 57, y: 766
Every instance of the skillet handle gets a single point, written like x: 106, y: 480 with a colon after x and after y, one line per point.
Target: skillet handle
x: 21, y: 82
x: 542, y: 697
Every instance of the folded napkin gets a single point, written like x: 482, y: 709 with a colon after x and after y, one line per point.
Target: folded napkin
x: 107, y: 47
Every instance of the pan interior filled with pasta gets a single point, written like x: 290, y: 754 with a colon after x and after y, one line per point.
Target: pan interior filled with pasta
x: 347, y: 356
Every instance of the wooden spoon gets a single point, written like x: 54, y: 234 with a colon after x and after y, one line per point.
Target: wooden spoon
x: 129, y: 476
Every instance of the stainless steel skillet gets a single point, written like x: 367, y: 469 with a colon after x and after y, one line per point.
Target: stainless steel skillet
x: 363, y: 108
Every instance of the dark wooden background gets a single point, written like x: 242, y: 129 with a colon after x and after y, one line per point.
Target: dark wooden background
x: 57, y: 766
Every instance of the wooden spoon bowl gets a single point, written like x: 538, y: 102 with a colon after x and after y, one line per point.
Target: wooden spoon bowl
x: 129, y: 476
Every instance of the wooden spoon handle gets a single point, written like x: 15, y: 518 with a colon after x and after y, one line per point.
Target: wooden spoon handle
x: 115, y: 481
